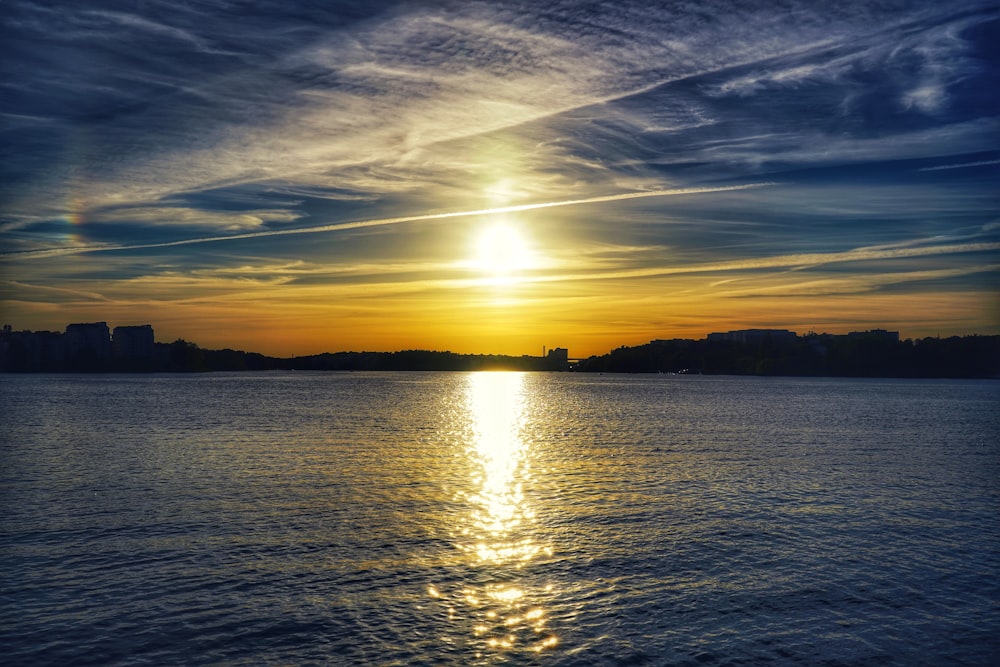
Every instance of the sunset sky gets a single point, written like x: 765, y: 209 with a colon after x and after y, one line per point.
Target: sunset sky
x: 298, y: 177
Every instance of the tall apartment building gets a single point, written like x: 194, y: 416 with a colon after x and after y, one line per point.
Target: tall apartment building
x: 135, y: 343
x: 92, y: 340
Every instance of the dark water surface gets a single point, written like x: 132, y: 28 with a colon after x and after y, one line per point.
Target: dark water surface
x: 498, y: 519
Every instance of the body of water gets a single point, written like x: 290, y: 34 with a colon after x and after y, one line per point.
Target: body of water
x: 498, y: 519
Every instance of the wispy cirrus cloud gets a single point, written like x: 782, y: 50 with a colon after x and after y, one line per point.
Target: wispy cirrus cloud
x: 361, y: 110
x: 856, y: 284
x: 359, y: 224
x: 794, y: 261
x: 962, y: 165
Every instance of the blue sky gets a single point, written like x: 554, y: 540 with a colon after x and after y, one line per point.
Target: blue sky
x: 827, y: 166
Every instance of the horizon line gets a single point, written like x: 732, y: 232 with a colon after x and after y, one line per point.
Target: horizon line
x: 8, y: 330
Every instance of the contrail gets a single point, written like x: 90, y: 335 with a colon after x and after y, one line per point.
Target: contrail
x: 356, y: 224
x: 963, y: 165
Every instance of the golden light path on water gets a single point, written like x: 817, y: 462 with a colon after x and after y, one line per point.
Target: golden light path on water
x: 497, y: 534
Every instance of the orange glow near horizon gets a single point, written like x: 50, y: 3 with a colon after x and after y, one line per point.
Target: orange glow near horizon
x: 587, y: 318
x: 510, y: 282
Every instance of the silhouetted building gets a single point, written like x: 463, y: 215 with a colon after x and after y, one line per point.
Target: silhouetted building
x: 880, y: 334
x: 31, y: 351
x: 134, y: 343
x: 87, y: 345
x: 51, y: 350
x: 753, y: 336
x: 558, y: 358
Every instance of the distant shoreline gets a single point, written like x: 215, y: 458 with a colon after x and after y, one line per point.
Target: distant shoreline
x: 814, y: 355
x: 994, y: 378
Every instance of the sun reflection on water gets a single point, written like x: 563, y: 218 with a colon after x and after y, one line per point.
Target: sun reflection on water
x: 500, y: 604
x: 497, y: 407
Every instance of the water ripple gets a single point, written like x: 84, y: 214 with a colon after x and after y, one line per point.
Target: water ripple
x: 449, y: 519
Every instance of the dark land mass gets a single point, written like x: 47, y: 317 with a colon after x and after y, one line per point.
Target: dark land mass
x: 812, y: 355
x: 789, y: 355
x: 182, y: 356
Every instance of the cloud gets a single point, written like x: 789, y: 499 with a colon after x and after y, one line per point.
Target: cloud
x: 77, y: 249
x: 791, y: 261
x: 855, y: 284
x: 26, y: 288
x: 296, y: 282
x: 372, y: 111
x: 193, y: 217
x: 962, y: 165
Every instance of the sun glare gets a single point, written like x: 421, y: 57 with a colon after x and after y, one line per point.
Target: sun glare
x: 502, y: 253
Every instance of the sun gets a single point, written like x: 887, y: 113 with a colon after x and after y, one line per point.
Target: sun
x: 502, y: 253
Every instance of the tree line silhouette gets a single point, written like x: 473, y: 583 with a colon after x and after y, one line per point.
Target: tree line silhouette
x: 812, y: 355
